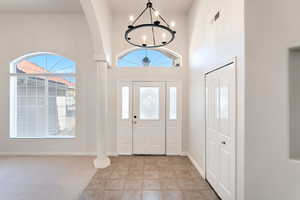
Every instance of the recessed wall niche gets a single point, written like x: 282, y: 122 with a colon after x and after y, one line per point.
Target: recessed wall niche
x: 294, y: 103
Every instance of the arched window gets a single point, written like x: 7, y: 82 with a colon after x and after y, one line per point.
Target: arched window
x: 42, y: 96
x: 160, y: 57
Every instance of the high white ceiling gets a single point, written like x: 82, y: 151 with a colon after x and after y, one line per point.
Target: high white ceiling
x: 73, y: 6
x: 41, y: 6
x: 136, y: 6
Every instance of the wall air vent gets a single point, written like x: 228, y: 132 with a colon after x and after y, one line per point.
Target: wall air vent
x: 217, y: 16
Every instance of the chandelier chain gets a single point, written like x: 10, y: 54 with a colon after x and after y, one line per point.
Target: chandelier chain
x: 151, y: 20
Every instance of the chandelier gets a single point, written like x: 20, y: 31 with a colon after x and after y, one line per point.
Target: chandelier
x: 149, y: 29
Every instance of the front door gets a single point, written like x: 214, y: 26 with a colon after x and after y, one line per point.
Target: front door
x: 149, y: 135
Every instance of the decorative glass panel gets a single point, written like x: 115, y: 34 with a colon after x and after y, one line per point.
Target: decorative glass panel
x: 173, y: 103
x: 149, y: 103
x: 125, y: 102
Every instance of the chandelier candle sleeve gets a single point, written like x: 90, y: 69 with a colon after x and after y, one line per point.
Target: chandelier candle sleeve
x: 159, y: 32
x: 173, y: 24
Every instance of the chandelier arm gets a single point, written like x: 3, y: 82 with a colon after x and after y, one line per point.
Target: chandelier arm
x: 164, y: 20
x: 139, y: 16
x: 149, y: 25
x: 161, y: 18
x: 153, y: 35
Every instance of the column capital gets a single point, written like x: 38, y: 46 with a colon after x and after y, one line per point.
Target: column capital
x: 100, y: 58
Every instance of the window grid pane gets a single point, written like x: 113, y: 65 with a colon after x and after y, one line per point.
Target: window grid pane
x: 42, y: 106
x: 61, y: 106
x: 44, y: 63
x: 29, y: 107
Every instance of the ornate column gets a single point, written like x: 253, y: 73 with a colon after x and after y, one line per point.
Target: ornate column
x: 102, y: 160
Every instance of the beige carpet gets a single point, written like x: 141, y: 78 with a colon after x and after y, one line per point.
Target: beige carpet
x: 44, y: 177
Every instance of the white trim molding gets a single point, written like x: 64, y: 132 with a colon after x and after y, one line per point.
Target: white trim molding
x: 174, y: 142
x: 112, y: 154
x: 197, y: 166
x: 55, y: 154
x: 100, y: 58
x: 48, y: 154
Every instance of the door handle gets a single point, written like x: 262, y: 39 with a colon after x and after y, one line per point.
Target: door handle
x: 223, y: 142
x: 134, y: 119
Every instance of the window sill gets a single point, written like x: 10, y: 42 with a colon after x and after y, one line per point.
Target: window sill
x: 49, y: 137
x: 147, y: 68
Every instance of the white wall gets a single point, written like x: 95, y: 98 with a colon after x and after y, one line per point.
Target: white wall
x: 271, y: 28
x: 213, y: 44
x: 179, y: 45
x: 66, y: 35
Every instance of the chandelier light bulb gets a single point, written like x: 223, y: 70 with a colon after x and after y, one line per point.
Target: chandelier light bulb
x: 144, y: 38
x: 156, y: 13
x: 164, y: 35
x: 172, y: 24
x: 131, y: 18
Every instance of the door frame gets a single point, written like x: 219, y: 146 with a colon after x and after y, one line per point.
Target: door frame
x: 225, y: 64
x: 179, y: 135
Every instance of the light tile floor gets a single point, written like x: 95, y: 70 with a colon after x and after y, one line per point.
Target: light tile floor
x: 148, y: 178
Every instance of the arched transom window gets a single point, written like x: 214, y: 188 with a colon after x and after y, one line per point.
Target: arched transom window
x: 42, y: 96
x: 149, y: 58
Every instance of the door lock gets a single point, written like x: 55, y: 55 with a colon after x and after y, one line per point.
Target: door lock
x: 134, y: 119
x: 223, y: 142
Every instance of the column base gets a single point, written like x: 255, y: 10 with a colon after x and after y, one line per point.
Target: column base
x: 101, y: 162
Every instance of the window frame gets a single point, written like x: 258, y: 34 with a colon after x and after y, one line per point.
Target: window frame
x: 13, y: 89
x: 162, y: 50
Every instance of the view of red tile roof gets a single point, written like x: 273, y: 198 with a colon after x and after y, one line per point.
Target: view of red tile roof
x: 30, y: 68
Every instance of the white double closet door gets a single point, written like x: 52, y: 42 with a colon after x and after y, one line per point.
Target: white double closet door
x: 220, y: 130
x: 149, y: 131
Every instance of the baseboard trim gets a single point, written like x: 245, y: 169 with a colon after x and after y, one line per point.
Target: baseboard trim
x: 48, y: 154
x: 167, y: 154
x: 200, y: 169
x: 54, y: 154
x: 112, y: 154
